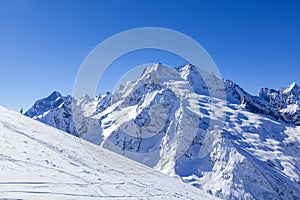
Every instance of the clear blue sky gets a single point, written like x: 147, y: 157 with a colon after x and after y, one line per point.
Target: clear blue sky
x: 43, y: 43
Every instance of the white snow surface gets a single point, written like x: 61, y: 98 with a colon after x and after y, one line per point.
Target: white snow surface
x: 40, y: 162
x: 238, y: 148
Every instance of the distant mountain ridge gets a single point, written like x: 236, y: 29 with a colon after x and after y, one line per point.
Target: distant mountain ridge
x: 168, y: 120
x: 286, y: 101
x: 280, y: 105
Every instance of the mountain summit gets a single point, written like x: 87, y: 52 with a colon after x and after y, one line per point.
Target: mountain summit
x: 176, y: 121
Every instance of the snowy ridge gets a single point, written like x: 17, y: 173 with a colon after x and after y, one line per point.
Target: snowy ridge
x: 40, y: 162
x: 238, y: 148
x: 286, y: 100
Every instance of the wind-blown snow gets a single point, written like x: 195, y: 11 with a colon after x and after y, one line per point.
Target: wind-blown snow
x: 38, y: 162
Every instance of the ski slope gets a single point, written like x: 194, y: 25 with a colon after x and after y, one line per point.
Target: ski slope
x: 41, y: 162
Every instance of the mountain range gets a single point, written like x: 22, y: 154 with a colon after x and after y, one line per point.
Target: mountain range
x: 235, y: 146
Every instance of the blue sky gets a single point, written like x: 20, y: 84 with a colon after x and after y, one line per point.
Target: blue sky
x: 43, y: 43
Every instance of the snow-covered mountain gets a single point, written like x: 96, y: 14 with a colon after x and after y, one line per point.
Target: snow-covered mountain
x: 41, y: 106
x: 40, y: 162
x: 175, y: 120
x: 61, y: 115
x: 286, y: 101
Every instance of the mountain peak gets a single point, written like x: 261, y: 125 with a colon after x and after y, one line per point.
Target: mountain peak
x: 189, y: 67
x: 160, y: 72
x: 54, y: 95
x: 292, y: 87
x: 45, y: 104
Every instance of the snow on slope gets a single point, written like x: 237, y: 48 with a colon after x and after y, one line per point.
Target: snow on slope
x: 210, y: 143
x: 61, y: 115
x: 234, y: 149
x: 38, y: 161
